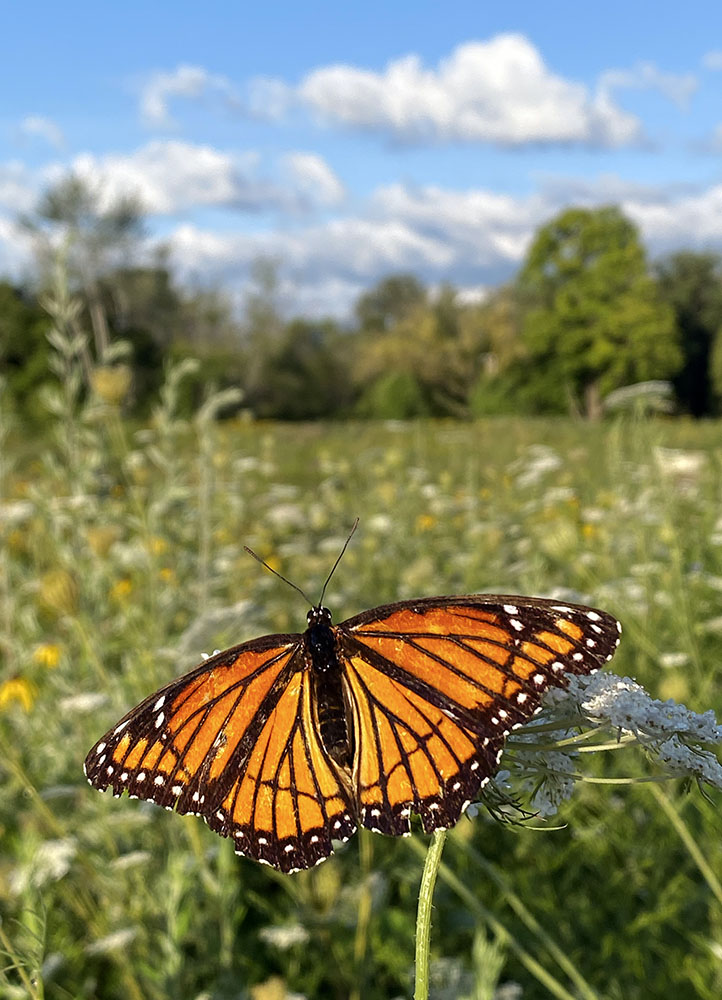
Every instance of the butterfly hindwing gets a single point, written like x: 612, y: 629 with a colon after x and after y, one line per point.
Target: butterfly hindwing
x: 287, y: 801
x: 436, y: 685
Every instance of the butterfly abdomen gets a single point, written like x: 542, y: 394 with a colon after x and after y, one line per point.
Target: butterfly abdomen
x: 326, y: 671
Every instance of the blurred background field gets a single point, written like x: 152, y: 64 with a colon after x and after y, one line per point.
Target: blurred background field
x: 123, y: 562
x: 262, y: 273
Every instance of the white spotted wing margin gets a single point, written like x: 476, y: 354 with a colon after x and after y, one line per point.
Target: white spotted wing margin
x: 234, y: 741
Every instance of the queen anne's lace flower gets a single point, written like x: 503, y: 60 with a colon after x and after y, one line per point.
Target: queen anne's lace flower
x: 671, y: 734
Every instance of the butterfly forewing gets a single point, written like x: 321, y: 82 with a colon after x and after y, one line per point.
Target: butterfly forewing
x: 438, y: 684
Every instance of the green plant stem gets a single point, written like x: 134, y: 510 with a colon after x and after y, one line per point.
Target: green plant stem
x: 504, y: 936
x: 423, y: 914
x: 689, y: 842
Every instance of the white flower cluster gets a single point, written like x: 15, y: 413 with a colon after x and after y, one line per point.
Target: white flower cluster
x: 624, y: 705
x: 671, y: 734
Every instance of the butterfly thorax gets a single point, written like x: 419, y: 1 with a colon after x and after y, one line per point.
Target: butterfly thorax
x: 322, y: 660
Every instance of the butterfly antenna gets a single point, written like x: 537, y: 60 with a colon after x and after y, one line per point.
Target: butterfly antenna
x: 340, y: 557
x: 279, y: 575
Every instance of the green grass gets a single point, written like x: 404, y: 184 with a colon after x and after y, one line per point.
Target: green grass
x: 123, y: 561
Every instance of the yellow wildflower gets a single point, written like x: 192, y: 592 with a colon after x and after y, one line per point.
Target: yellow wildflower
x: 424, y: 522
x: 589, y: 530
x: 157, y: 545
x: 167, y: 575
x: 17, y: 689
x: 120, y: 590
x: 111, y: 383
x: 47, y: 654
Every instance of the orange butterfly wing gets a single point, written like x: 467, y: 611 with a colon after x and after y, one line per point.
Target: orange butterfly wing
x: 234, y: 741
x: 436, y: 686
x: 433, y: 688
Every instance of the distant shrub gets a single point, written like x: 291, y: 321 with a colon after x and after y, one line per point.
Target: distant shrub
x: 396, y: 396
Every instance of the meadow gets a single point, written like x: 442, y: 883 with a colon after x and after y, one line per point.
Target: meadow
x: 123, y: 561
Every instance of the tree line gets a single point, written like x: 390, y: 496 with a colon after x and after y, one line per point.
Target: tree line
x: 586, y: 315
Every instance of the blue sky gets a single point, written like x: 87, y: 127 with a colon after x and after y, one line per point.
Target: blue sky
x: 349, y: 141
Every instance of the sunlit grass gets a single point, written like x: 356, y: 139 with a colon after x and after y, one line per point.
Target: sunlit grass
x: 123, y: 562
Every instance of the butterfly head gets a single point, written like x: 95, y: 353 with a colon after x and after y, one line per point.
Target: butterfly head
x: 318, y: 616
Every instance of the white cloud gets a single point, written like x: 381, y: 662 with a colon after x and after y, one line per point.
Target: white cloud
x: 474, y: 238
x: 713, y: 60
x: 18, y: 187
x: 38, y: 127
x: 498, y: 91
x: 189, y: 82
x: 15, y: 251
x: 312, y: 177
x: 677, y: 88
x: 169, y: 176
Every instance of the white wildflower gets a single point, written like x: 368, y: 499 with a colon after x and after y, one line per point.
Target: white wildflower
x: 50, y: 862
x: 671, y: 661
x: 116, y: 941
x: 679, y: 759
x: 557, y: 770
x: 130, y: 860
x: 286, y: 515
x: 284, y: 936
x: 534, y: 464
x: 83, y: 703
x: 626, y: 706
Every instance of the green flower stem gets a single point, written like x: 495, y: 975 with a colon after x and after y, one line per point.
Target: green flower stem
x: 423, y: 914
x: 504, y: 936
x: 688, y: 840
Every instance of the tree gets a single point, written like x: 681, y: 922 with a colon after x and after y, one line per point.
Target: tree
x: 593, y: 318
x: 389, y: 301
x: 427, y: 350
x: 302, y: 377
x: 692, y: 285
x: 97, y: 237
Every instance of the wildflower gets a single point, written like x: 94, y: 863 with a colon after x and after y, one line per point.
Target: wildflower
x: 115, y: 941
x: 424, y: 522
x: 47, y: 654
x: 111, y: 383
x: 83, y: 703
x: 157, y: 545
x: 50, y: 862
x: 166, y: 574
x: 285, y: 936
x: 17, y: 689
x: 120, y: 590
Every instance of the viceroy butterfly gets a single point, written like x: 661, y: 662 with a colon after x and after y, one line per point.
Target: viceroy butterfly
x: 288, y: 742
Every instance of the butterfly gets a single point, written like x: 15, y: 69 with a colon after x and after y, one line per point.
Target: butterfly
x: 289, y: 742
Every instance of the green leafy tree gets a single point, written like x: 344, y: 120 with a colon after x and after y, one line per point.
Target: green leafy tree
x: 593, y: 317
x: 428, y: 346
x: 303, y: 377
x: 692, y: 285
x: 389, y: 301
